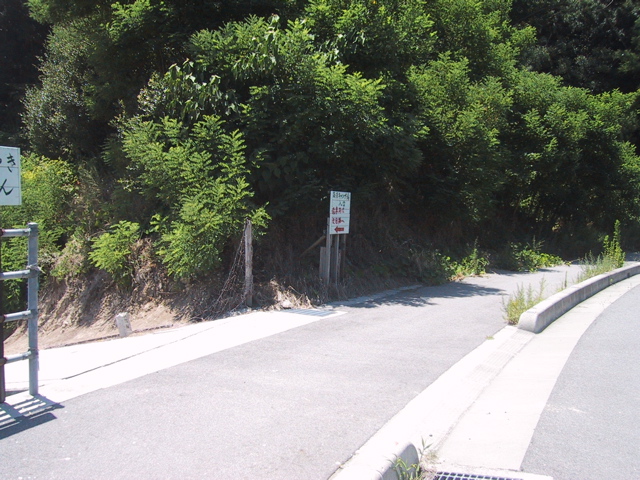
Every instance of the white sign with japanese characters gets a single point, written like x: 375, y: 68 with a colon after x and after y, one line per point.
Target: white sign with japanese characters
x: 10, y: 180
x: 339, y: 212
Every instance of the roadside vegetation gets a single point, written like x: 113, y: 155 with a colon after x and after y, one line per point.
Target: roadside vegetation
x: 522, y: 300
x: 612, y: 257
x: 471, y: 134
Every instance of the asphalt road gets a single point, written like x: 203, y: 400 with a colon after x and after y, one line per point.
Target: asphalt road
x: 290, y: 406
x: 590, y: 428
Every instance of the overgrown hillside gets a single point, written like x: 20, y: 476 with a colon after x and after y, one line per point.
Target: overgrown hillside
x: 465, y: 131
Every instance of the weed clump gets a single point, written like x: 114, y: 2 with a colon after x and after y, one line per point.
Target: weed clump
x: 522, y: 300
x: 434, y: 267
x: 612, y: 257
x: 527, y: 257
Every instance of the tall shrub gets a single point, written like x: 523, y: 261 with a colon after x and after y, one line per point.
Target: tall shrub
x: 197, y: 175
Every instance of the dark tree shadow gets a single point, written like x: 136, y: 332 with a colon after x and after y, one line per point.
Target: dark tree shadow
x: 421, y: 296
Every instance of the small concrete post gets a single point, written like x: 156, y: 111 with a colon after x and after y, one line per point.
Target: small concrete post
x: 123, y: 322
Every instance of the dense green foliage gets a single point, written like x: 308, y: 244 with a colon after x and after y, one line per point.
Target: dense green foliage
x: 482, y: 114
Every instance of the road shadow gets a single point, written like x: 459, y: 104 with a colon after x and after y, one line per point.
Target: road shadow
x: 27, y: 414
x: 421, y: 296
x: 514, y: 273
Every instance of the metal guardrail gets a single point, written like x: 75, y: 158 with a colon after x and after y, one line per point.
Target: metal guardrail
x: 32, y: 274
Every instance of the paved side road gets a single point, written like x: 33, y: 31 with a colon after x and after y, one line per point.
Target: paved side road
x: 590, y: 428
x: 293, y: 405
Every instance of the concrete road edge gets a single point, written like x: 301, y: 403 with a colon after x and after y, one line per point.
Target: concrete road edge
x: 539, y: 317
x: 426, y: 422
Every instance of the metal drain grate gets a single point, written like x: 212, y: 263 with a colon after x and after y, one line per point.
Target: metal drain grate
x: 310, y: 311
x: 468, y: 476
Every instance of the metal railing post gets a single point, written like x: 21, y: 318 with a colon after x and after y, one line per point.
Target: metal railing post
x: 33, y: 284
x: 31, y: 273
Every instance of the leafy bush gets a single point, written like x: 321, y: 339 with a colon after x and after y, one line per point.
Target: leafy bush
x: 72, y: 260
x: 431, y: 266
x: 463, y: 119
x: 111, y: 251
x: 57, y: 115
x: 568, y: 156
x: 48, y: 189
x: 14, y: 257
x: 308, y: 121
x: 527, y: 257
x: 198, y: 175
x: 472, y: 264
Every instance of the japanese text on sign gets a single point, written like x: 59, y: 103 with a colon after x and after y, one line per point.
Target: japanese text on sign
x: 339, y: 212
x: 10, y: 182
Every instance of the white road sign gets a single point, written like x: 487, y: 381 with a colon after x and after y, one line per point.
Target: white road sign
x: 10, y: 180
x: 339, y: 212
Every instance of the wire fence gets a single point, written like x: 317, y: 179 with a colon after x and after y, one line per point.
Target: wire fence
x: 232, y: 294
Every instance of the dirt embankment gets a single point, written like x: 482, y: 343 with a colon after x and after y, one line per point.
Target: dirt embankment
x: 84, y: 309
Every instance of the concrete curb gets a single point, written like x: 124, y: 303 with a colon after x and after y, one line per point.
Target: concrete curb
x: 538, y: 318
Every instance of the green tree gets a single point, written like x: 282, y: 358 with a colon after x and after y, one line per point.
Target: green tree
x: 112, y: 250
x: 462, y: 120
x: 58, y: 119
x: 101, y: 54
x: 308, y: 122
x: 374, y: 37
x: 570, y: 154
x: 191, y: 107
x: 481, y: 33
x: 591, y: 44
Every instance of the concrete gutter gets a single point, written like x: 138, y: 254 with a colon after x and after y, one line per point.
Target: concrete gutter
x: 538, y: 318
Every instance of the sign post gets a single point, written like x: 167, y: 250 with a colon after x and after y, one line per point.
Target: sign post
x: 10, y: 194
x: 340, y: 212
x: 337, y: 228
